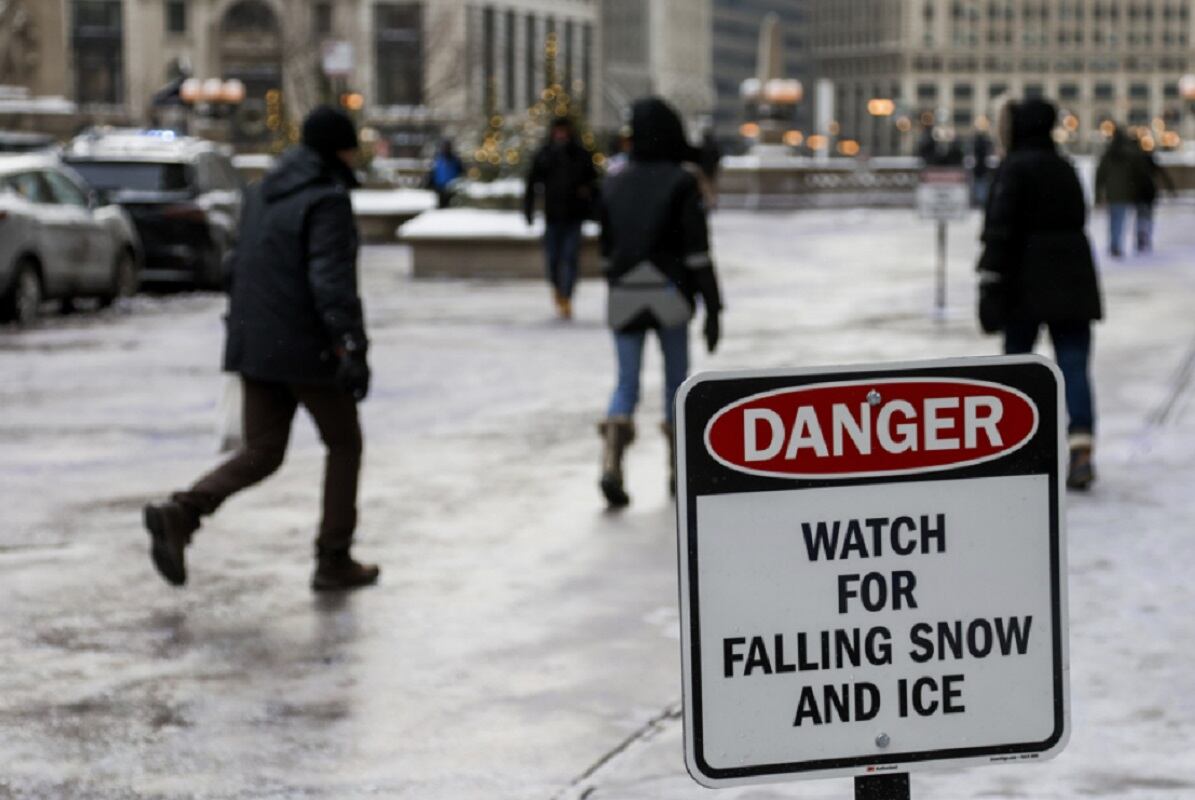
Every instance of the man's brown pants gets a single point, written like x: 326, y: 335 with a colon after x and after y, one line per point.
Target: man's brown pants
x: 269, y: 409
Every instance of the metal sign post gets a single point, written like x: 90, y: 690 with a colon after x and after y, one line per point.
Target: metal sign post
x: 940, y: 279
x: 943, y: 194
x: 872, y: 570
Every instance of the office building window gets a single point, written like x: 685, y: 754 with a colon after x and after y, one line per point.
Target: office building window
x: 927, y: 91
x: 566, y: 52
x: 1104, y: 91
x: 997, y: 89
x: 398, y: 49
x: 1138, y: 91
x: 963, y: 91
x: 531, y: 50
x: 586, y: 64
x: 488, y: 61
x: 98, y: 49
x: 176, y: 17
x: 1034, y: 91
x: 508, y: 59
x: 321, y: 19
x: 1068, y: 91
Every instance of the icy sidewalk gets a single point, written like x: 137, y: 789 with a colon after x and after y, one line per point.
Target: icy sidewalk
x: 523, y: 643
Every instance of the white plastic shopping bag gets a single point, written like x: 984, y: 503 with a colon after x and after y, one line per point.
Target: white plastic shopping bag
x: 230, y: 424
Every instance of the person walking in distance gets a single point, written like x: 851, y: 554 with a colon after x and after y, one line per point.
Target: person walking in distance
x: 1150, y: 176
x: 446, y: 169
x: 563, y: 170
x: 296, y: 335
x: 1117, y: 182
x: 1037, y: 269
x: 656, y: 256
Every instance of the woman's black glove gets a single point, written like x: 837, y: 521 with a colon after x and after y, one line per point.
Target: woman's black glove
x: 713, y: 331
x: 352, y: 370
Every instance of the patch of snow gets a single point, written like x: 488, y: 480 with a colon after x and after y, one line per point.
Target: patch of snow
x: 478, y: 223
x: 392, y: 201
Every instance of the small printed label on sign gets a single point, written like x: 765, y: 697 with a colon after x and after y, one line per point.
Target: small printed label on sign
x: 872, y: 568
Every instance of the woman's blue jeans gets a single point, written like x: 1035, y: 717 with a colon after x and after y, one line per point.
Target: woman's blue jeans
x: 628, y: 347
x: 1072, y: 351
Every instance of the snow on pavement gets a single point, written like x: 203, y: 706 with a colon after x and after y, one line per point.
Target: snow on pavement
x: 523, y: 642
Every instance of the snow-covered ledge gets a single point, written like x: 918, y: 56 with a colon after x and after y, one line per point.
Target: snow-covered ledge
x: 481, y: 243
x: 380, y: 211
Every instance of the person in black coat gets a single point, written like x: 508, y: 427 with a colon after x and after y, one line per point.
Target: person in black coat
x: 656, y: 257
x: 563, y: 171
x: 1151, y: 175
x: 1037, y: 268
x: 296, y: 336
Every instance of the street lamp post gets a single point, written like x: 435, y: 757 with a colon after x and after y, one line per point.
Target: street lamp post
x: 213, y: 98
x: 880, y: 109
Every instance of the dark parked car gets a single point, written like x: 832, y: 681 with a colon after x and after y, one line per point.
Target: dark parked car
x: 183, y: 194
x: 58, y: 240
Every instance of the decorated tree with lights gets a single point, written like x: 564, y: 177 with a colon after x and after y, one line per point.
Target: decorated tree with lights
x: 504, y: 148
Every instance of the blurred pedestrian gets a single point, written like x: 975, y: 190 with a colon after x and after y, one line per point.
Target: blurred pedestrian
x: 709, y: 160
x: 1151, y: 174
x: 981, y: 173
x: 563, y: 170
x: 1037, y: 269
x: 296, y: 335
x: 620, y: 152
x: 656, y: 254
x: 445, y: 172
x: 1117, y: 184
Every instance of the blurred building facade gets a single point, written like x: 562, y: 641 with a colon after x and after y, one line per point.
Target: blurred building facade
x: 412, y: 68
x: 1098, y: 59
x: 736, y: 29
x: 660, y: 47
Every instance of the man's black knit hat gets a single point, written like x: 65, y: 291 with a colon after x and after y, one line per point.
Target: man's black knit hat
x: 327, y: 131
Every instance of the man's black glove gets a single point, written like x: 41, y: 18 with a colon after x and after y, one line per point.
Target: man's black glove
x: 352, y: 370
x: 713, y: 331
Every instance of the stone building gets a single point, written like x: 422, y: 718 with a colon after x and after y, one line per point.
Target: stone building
x: 660, y: 47
x: 415, y: 68
x: 1098, y: 59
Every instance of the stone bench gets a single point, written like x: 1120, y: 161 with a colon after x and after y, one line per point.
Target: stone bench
x: 380, y: 212
x: 482, y: 243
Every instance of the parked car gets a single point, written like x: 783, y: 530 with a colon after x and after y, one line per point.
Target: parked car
x: 183, y: 194
x: 25, y: 142
x: 58, y: 240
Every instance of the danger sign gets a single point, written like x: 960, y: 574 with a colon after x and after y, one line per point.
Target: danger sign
x: 872, y: 563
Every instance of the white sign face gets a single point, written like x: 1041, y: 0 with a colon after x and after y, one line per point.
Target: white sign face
x: 943, y: 194
x: 872, y: 564
x: 337, y: 58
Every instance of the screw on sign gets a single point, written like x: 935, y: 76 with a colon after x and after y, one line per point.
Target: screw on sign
x: 872, y: 564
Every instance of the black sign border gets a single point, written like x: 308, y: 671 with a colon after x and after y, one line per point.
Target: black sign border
x: 1033, y: 375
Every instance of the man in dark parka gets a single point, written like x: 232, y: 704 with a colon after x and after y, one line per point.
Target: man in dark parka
x: 296, y: 335
x: 1037, y: 261
x: 563, y: 172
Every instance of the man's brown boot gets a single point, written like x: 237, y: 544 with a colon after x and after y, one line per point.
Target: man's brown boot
x: 170, y: 526
x: 335, y: 570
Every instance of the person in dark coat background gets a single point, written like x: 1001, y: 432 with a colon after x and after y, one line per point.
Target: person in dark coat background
x: 1151, y: 175
x: 1037, y: 268
x: 1117, y: 183
x: 563, y: 170
x: 656, y: 256
x: 296, y: 335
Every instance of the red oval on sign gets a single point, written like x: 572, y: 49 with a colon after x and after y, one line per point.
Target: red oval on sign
x: 866, y: 428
